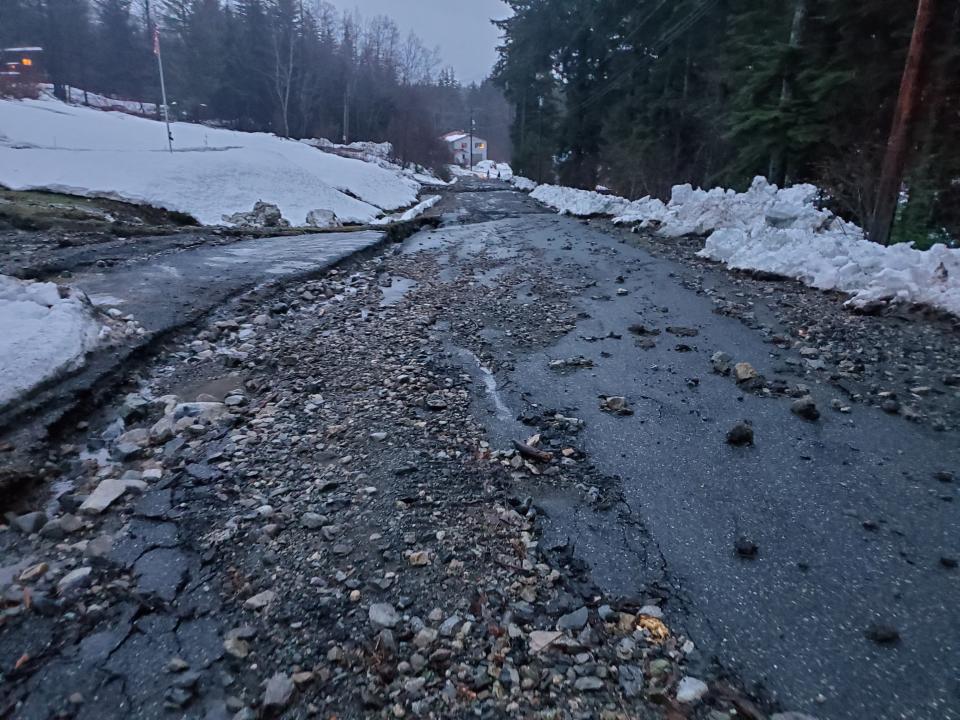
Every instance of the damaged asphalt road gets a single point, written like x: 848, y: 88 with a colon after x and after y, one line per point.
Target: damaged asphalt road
x: 487, y: 475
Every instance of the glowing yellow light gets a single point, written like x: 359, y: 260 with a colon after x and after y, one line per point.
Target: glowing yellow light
x: 26, y: 62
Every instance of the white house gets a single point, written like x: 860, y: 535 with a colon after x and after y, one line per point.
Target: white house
x: 459, y: 142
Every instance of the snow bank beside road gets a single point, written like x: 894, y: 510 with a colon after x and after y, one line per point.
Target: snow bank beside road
x: 783, y: 232
x: 839, y: 261
x: 46, y: 144
x: 582, y: 203
x: 523, y: 184
x: 43, y: 334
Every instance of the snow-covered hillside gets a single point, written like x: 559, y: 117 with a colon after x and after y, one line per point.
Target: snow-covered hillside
x: 782, y: 231
x: 46, y: 144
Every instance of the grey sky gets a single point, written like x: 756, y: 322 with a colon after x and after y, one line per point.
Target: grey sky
x: 460, y: 28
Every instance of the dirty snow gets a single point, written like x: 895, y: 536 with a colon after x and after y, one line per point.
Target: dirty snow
x: 42, y: 335
x: 46, y: 144
x: 782, y: 231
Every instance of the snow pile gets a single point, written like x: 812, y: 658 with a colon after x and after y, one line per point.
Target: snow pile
x: 582, y: 203
x: 838, y: 259
x: 44, y: 332
x: 414, y: 212
x: 523, y: 184
x: 46, y: 144
x: 783, y: 232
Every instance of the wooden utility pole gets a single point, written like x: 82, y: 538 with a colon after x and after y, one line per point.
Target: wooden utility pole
x: 894, y: 162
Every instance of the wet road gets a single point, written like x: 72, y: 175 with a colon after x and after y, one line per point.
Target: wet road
x: 177, y: 287
x: 848, y: 517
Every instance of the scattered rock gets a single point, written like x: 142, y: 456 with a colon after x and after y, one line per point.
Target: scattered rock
x: 744, y: 371
x: 574, y: 621
x: 542, y: 639
x: 30, y: 522
x: 278, y: 693
x: 263, y: 215
x: 806, y: 408
x: 588, y: 683
x: 882, y: 634
x: 108, y: 492
x: 746, y: 548
x: 436, y: 402
x: 721, y: 362
x: 615, y: 404
x: 691, y: 690
x: 384, y: 615
x: 740, y: 434
x: 74, y: 580
x: 260, y: 600
x: 323, y: 219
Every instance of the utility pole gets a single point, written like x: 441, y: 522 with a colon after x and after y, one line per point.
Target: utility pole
x: 894, y: 161
x: 540, y: 141
x: 470, y: 146
x: 163, y: 87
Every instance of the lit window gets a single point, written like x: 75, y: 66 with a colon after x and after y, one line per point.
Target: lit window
x: 481, y: 146
x: 26, y: 62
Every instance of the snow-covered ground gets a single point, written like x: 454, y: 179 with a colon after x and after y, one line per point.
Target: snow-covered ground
x: 782, y: 231
x: 46, y: 144
x: 43, y: 333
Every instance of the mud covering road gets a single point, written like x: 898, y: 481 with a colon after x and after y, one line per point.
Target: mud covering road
x: 316, y: 503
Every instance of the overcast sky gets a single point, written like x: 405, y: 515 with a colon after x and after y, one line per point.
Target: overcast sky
x: 460, y: 28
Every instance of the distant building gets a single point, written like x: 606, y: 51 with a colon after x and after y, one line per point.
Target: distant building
x: 22, y: 63
x: 459, y: 141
